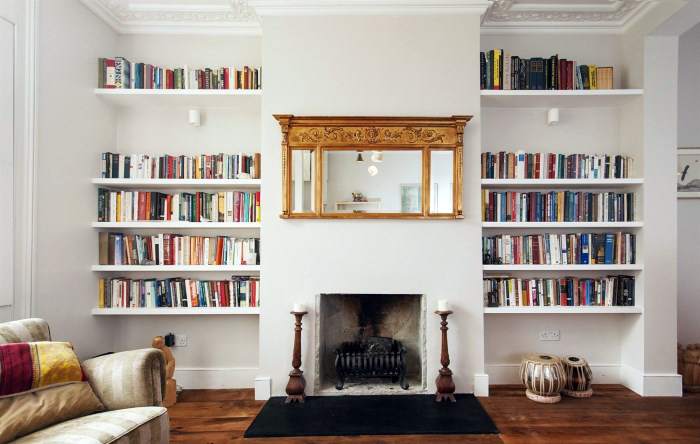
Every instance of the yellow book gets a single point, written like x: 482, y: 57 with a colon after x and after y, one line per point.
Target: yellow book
x: 119, y: 207
x: 497, y: 69
x: 222, y: 207
x: 593, y: 76
x: 101, y: 293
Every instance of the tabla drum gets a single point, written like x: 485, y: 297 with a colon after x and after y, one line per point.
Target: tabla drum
x: 578, y: 377
x: 543, y: 376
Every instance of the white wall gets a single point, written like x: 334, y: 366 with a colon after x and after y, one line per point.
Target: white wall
x: 356, y: 65
x: 689, y: 209
x: 74, y: 126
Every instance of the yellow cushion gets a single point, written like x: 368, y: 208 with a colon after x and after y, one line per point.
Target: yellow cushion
x: 28, y: 412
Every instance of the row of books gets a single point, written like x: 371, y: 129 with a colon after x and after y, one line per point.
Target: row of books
x: 556, y: 206
x: 223, y: 206
x: 502, y: 71
x: 509, y: 291
x: 118, y: 72
x: 200, y: 166
x: 178, y: 292
x: 556, y: 249
x: 521, y: 165
x: 176, y: 249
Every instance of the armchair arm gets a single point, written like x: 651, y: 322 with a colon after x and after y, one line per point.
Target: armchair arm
x: 133, y: 378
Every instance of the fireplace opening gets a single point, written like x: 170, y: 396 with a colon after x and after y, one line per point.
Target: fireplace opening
x: 369, y: 343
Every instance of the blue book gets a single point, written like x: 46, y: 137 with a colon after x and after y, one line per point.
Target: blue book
x: 609, y: 248
x: 585, y: 249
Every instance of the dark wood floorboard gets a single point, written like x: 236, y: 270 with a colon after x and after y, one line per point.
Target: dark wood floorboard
x: 613, y: 415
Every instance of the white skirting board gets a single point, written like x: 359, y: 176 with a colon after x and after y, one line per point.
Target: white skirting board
x: 481, y: 385
x: 215, y: 377
x: 650, y: 384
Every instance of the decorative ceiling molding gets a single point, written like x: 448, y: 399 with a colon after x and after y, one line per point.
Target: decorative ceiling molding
x: 242, y: 16
x: 368, y: 7
x: 177, y: 16
x: 601, y: 16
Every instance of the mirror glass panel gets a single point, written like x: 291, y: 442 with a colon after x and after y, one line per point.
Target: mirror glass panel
x: 441, y: 181
x: 302, y: 187
x: 372, y: 181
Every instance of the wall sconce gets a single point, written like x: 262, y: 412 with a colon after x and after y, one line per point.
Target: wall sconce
x: 552, y: 116
x: 194, y: 117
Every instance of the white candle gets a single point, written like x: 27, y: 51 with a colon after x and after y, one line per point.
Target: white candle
x: 442, y: 305
x: 298, y: 308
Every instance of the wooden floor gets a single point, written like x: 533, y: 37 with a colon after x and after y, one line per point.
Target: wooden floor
x: 613, y: 415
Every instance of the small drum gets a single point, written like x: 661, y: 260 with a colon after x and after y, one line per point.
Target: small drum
x: 578, y: 377
x: 543, y: 376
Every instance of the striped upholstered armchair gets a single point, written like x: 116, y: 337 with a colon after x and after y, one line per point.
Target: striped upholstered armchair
x: 129, y: 384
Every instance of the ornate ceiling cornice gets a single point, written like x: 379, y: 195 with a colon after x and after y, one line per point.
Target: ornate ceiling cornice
x: 170, y: 17
x: 242, y: 16
x: 612, y: 16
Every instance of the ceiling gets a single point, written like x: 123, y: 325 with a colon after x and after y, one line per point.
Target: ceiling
x: 241, y: 16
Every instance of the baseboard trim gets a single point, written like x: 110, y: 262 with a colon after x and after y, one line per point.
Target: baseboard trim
x: 481, y: 385
x: 216, y: 377
x: 653, y: 384
x: 510, y: 373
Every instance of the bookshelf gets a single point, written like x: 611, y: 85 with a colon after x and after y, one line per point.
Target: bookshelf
x: 561, y: 183
x: 208, y: 98
x: 194, y: 311
x: 575, y: 267
x: 229, y: 184
x: 562, y: 310
x: 558, y: 98
x: 571, y: 225
x: 169, y: 268
x: 178, y: 225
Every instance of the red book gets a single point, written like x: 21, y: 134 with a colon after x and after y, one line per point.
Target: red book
x: 142, y: 205
x: 246, y: 74
x: 147, y: 210
x: 197, y: 206
x: 226, y: 79
x: 219, y: 250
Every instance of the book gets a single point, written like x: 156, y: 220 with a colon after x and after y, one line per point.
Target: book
x: 555, y: 248
x: 510, y: 291
x: 521, y: 165
x: 178, y: 292
x: 138, y: 249
x: 556, y: 206
x: 502, y: 70
x: 118, y: 72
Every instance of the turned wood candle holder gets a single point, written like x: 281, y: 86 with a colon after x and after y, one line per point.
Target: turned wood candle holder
x: 445, y: 384
x: 296, y: 384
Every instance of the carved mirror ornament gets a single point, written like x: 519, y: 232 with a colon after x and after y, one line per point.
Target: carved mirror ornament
x: 372, y: 167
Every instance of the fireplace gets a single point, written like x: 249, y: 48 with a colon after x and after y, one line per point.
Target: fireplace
x: 370, y: 344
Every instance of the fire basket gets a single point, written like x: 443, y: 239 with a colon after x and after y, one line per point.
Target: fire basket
x: 373, y: 357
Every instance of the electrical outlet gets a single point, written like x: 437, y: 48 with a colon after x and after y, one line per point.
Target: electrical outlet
x: 550, y: 335
x: 180, y: 340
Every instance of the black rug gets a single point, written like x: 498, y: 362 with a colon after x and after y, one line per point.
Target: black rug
x: 371, y: 415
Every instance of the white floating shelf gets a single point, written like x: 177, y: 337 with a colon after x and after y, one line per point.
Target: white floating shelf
x: 166, y: 311
x: 688, y: 195
x: 210, y: 98
x: 560, y: 183
x: 562, y: 224
x: 168, y: 268
x: 563, y: 310
x: 168, y: 225
x: 179, y: 183
x: 594, y: 267
x: 558, y: 98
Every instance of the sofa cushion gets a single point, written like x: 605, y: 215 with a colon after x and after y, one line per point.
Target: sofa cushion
x: 28, y: 412
x: 25, y: 330
x: 31, y: 365
x: 143, y: 425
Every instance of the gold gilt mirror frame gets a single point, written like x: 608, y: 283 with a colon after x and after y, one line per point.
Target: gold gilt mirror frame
x: 316, y: 135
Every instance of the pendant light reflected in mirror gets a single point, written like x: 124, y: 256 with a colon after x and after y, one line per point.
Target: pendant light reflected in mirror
x: 372, y: 170
x: 377, y: 157
x: 359, y: 157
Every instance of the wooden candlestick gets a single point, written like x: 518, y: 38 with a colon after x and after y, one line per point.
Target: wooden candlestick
x: 445, y: 384
x: 296, y: 384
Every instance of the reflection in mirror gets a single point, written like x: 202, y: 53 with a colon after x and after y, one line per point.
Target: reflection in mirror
x: 302, y: 189
x: 372, y: 181
x: 441, y: 181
